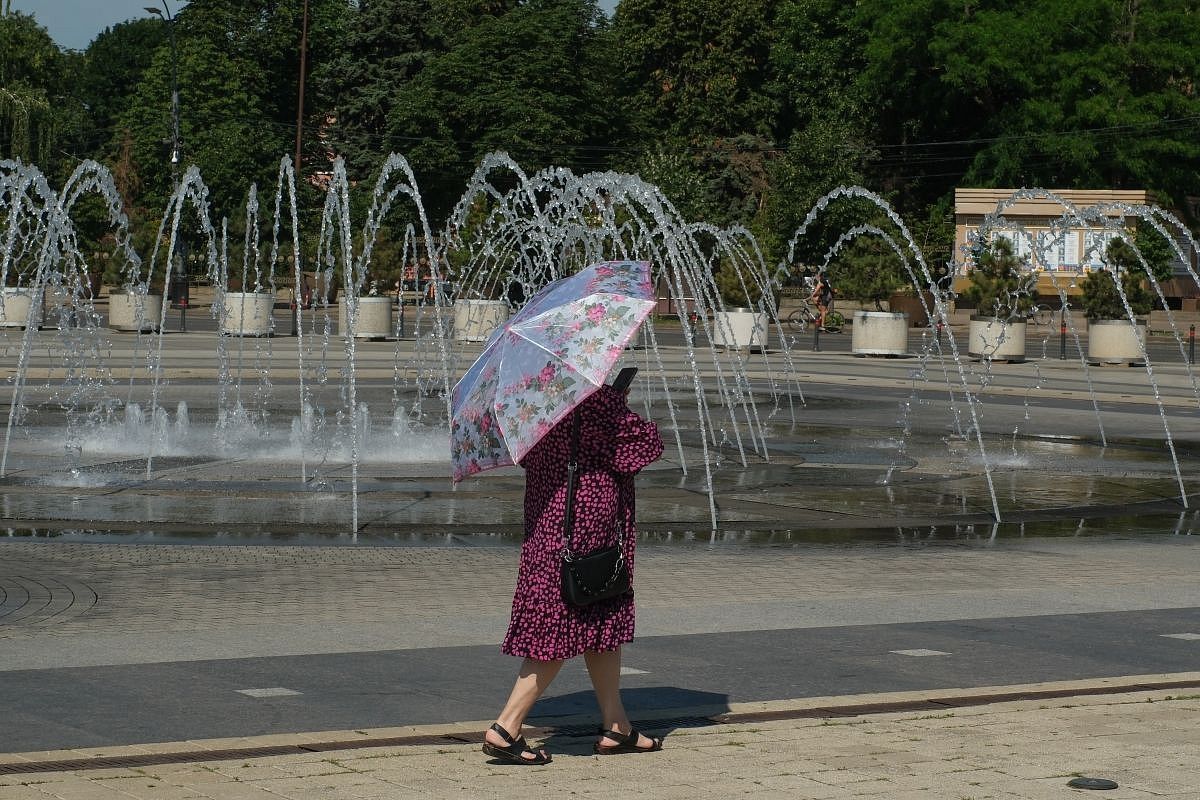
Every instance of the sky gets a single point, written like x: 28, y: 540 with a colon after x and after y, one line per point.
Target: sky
x: 74, y: 23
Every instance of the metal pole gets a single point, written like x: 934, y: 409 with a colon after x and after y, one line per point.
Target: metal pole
x: 300, y: 104
x: 1192, y: 343
x: 175, y: 138
x: 1062, y: 336
x: 816, y: 347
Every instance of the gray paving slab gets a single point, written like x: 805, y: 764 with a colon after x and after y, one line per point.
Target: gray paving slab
x: 820, y: 570
x: 378, y: 636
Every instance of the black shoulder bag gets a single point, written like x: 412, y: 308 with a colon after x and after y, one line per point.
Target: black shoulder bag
x: 599, y: 575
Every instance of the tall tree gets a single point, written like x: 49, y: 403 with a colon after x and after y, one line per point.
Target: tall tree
x: 1059, y: 93
x: 113, y: 66
x: 693, y: 70
x: 696, y: 82
x: 826, y: 123
x: 238, y: 74
x: 387, y: 43
x: 521, y: 77
x: 36, y: 109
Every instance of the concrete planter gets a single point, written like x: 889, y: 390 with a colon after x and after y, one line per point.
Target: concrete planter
x: 17, y: 304
x: 740, y: 327
x: 374, y: 318
x: 474, y: 320
x: 1115, y: 341
x: 247, y: 313
x: 879, y: 333
x: 132, y: 311
x: 996, y: 339
x: 914, y: 305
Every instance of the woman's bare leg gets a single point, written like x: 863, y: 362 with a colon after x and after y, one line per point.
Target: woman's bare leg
x: 605, y: 671
x: 532, y: 681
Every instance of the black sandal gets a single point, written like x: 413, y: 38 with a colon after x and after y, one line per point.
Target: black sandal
x: 515, y: 749
x: 626, y: 743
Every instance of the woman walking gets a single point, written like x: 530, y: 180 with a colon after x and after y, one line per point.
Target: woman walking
x: 614, y: 444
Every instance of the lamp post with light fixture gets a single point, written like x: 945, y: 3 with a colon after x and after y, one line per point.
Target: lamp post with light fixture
x: 170, y: 20
x: 179, y: 290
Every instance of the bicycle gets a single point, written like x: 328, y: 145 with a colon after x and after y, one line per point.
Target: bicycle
x: 806, y: 314
x: 1041, y: 314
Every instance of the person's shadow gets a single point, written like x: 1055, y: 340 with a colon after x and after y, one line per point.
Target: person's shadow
x: 573, y: 719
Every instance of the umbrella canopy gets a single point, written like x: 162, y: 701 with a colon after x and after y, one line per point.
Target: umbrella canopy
x: 545, y: 360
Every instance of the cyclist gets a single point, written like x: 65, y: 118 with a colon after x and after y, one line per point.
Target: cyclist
x: 822, y: 296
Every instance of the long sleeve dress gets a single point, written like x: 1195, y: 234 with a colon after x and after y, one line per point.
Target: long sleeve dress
x: 614, y: 443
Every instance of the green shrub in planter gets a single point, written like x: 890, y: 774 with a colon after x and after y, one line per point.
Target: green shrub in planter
x: 1101, y: 300
x: 1001, y: 285
x: 737, y: 290
x: 870, y: 272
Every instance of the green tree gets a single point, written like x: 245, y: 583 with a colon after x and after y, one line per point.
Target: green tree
x: 37, y: 111
x: 114, y: 63
x: 387, y: 43
x: 868, y: 270
x: 524, y: 77
x: 693, y: 71
x: 695, y: 82
x: 1055, y: 93
x: 824, y: 120
x: 238, y: 76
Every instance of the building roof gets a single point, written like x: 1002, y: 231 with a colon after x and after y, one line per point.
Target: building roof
x: 985, y: 201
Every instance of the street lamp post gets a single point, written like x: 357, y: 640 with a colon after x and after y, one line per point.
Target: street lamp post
x: 170, y: 20
x: 179, y: 290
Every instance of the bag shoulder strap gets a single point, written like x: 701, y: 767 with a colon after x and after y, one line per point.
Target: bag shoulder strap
x: 572, y: 474
x: 572, y: 479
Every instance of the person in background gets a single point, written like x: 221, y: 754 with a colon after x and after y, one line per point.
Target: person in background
x: 822, y: 296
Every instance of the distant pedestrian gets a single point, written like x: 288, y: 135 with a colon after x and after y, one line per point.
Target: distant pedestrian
x: 822, y: 296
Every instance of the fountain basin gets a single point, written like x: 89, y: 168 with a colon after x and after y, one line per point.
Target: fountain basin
x: 1116, y: 341
x: 247, y: 313
x: 880, y: 333
x: 133, y: 311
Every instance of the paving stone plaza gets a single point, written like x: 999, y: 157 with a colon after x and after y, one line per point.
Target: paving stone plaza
x: 217, y: 629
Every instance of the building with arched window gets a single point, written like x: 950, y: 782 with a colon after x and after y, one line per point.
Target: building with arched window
x: 1048, y: 237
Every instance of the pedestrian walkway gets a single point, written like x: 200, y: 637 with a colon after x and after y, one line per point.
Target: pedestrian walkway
x: 960, y: 746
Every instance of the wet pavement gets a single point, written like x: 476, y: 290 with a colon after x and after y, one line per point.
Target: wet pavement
x: 850, y: 443
x: 216, y: 628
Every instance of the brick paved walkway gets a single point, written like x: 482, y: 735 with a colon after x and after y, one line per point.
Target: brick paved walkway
x: 1025, y: 750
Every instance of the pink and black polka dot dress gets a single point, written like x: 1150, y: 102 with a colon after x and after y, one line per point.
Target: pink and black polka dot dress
x: 614, y: 443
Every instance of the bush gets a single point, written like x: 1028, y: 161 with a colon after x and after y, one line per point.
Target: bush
x: 1101, y: 300
x: 737, y: 289
x: 1000, y: 285
x: 869, y: 271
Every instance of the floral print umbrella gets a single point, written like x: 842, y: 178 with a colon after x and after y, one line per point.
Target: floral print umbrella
x: 545, y: 360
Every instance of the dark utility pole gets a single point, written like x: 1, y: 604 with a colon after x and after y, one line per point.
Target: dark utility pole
x: 175, y: 156
x: 300, y: 105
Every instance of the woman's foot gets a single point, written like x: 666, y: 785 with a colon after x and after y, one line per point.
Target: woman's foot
x: 613, y: 742
x: 499, y: 743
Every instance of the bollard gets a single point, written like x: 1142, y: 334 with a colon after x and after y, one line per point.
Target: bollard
x: 938, y: 333
x: 816, y: 347
x: 1192, y: 344
x: 183, y: 314
x: 295, y: 318
x: 1062, y: 338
